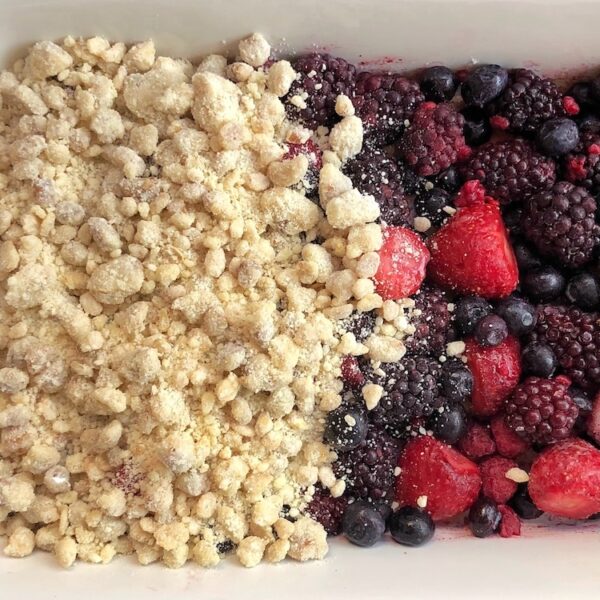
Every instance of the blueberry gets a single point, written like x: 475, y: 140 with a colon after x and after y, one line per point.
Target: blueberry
x: 346, y: 428
x: 490, y: 330
x: 411, y: 526
x: 582, y: 93
x: 526, y: 258
x: 438, y: 84
x: 477, y: 128
x: 589, y: 122
x: 431, y: 203
x: 538, y: 359
x: 583, y: 290
x: 484, y: 518
x: 519, y: 315
x: 483, y: 84
x: 513, y: 218
x: 363, y: 524
x: 449, y: 180
x: 469, y: 310
x: 558, y: 136
x: 449, y: 425
x: 457, y: 380
x: 523, y: 505
x: 543, y: 284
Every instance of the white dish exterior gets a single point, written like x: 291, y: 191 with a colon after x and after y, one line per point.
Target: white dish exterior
x: 554, y: 36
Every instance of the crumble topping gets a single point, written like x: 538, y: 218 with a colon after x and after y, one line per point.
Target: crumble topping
x: 172, y: 305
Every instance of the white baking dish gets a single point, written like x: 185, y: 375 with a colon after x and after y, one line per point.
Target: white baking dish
x: 546, y: 562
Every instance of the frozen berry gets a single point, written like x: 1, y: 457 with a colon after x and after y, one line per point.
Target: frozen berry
x: 449, y: 180
x: 523, y: 505
x: 483, y: 84
x: 477, y: 442
x: 477, y: 128
x: 495, y: 485
x: 543, y: 284
x: 362, y: 524
x: 320, y: 78
x: 346, y: 428
x: 439, y: 84
x: 583, y: 291
x: 538, y: 359
x: 526, y: 257
x: 509, y: 522
x: 457, y: 381
x: 384, y: 101
x: 561, y: 224
x: 431, y: 204
x: 582, y: 166
x: 581, y: 92
x: 361, y: 324
x: 352, y: 376
x: 469, y: 311
x: 368, y: 470
x: 484, y: 518
x: 557, y: 136
x: 411, y: 526
x: 542, y: 410
x: 589, y: 123
x: 527, y: 102
x: 449, y: 424
x: 519, y: 315
x: 490, y: 330
x: 508, y: 443
x: 509, y: 169
x: 327, y: 510
x: 434, y: 139
x: 574, y: 336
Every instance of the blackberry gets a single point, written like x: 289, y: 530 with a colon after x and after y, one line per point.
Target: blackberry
x: 225, y: 547
x: 412, y: 390
x: 541, y: 410
x: 431, y: 320
x: 384, y: 101
x: 321, y: 77
x: 391, y: 184
x: 574, y: 336
x: 435, y: 139
x: 361, y: 324
x: 327, y: 510
x: 509, y: 170
x: 431, y: 204
x: 582, y: 166
x: 368, y: 470
x: 560, y: 222
x: 528, y: 101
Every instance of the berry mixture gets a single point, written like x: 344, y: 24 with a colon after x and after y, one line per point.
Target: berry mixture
x: 248, y: 305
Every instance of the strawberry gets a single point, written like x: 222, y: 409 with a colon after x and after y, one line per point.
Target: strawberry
x: 494, y: 483
x: 593, y: 420
x: 508, y: 443
x: 565, y: 479
x: 496, y: 371
x: 402, y: 262
x: 471, y: 253
x: 450, y: 481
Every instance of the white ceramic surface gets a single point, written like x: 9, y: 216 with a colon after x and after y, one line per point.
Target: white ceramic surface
x: 549, y: 563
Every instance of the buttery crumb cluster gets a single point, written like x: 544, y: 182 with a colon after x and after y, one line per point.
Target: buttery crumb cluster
x: 172, y: 305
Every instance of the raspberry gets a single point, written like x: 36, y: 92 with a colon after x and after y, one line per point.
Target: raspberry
x: 560, y: 222
x: 494, y: 483
x: 435, y: 139
x: 384, y: 101
x: 510, y: 524
x: 582, y: 166
x: 361, y: 324
x: 320, y: 79
x: 508, y: 443
x: 392, y: 184
x: 431, y: 319
x: 327, y: 510
x: 477, y: 442
x: 412, y: 390
x: 542, y: 410
x: 509, y: 170
x: 575, y: 338
x: 351, y: 373
x: 369, y: 469
x: 527, y: 102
